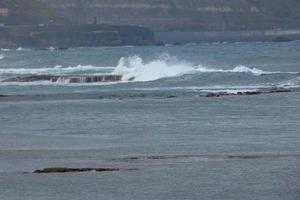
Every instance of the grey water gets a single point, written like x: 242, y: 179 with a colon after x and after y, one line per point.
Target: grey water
x: 157, y: 120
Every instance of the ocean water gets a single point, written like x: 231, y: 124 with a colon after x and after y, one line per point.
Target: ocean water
x: 157, y: 124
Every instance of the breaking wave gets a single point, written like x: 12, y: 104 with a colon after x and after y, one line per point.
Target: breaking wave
x: 129, y: 69
x: 22, y: 49
x: 1, y: 56
x: 134, y: 68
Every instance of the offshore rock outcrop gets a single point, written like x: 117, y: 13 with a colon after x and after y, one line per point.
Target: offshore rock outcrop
x: 67, y: 78
x: 73, y: 170
x: 247, y: 93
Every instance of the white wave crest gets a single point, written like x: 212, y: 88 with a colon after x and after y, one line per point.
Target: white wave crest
x: 134, y: 68
x: 57, y: 70
x: 5, y: 49
x: 22, y: 49
x: 1, y: 56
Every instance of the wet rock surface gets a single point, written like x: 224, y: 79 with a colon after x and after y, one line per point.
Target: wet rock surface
x: 69, y: 79
x: 74, y: 170
x: 247, y: 93
x: 220, y: 94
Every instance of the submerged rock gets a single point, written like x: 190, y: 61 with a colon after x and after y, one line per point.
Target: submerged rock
x: 68, y: 170
x: 279, y: 90
x: 219, y: 94
x: 247, y: 93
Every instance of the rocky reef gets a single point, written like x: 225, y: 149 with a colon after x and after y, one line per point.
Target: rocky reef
x: 246, y: 93
x: 68, y: 79
x: 73, y: 170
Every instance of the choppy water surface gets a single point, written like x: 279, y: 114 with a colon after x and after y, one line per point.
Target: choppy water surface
x: 157, y: 120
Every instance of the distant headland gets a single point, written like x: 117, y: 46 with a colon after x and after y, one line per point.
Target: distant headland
x: 146, y: 22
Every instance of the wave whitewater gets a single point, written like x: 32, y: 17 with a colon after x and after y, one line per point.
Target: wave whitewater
x: 130, y: 69
x: 134, y: 68
x: 57, y: 70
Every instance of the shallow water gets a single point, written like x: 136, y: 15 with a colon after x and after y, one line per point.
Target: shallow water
x: 182, y: 144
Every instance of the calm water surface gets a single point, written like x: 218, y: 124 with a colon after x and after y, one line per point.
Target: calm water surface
x: 182, y: 144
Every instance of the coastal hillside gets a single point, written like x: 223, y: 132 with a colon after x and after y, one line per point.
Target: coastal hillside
x: 28, y: 12
x: 183, y: 15
x: 159, y: 15
x: 172, y: 21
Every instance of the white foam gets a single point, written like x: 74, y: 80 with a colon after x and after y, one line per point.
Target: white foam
x: 1, y: 56
x: 22, y: 49
x: 51, y: 49
x: 57, y: 70
x: 134, y: 68
x: 292, y: 83
x: 5, y: 49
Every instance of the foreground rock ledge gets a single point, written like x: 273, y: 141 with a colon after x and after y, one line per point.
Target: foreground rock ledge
x: 68, y: 170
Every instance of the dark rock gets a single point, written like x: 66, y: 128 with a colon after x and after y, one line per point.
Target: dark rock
x: 68, y: 170
x: 249, y: 93
x: 280, y: 90
x: 216, y: 94
x: 171, y: 96
x: 281, y: 39
x: 160, y: 43
x: 31, y: 78
x: 219, y: 94
x: 70, y: 79
x: 177, y: 43
x: 244, y: 157
x: 131, y: 79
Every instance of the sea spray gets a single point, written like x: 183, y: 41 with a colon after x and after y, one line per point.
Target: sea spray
x: 135, y: 69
